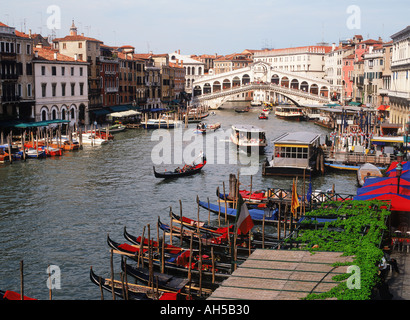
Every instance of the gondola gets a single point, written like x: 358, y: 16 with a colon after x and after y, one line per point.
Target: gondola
x: 12, y: 295
x: 167, y: 282
x: 176, y: 264
x: 257, y: 215
x: 185, y: 171
x: 220, y: 243
x: 135, y: 292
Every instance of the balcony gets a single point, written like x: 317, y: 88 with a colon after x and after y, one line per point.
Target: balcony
x: 8, y: 76
x: 111, y: 90
x: 10, y: 98
x: 400, y: 63
x: 399, y: 94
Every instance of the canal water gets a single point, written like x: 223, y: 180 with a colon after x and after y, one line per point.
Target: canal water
x: 58, y: 211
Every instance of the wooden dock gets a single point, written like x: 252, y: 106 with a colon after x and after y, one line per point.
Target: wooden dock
x: 281, y: 275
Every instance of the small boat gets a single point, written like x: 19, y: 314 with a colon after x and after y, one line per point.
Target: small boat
x: 242, y: 110
x: 135, y: 292
x: 34, y: 153
x: 118, y: 127
x: 187, y: 170
x: 367, y: 171
x: 263, y: 116
x: 52, y: 151
x: 203, y: 128
x: 90, y: 139
x: 165, y: 122
x: 248, y: 138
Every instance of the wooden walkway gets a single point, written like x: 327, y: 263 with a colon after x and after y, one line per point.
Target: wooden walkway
x: 281, y: 275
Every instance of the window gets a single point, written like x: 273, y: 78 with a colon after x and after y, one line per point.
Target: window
x: 63, y: 71
x: 53, y: 89
x: 28, y: 49
x: 29, y: 69
x: 43, y: 89
x: 29, y: 90
x: 54, y: 71
x: 72, y: 71
x: 43, y: 70
x: 63, y: 85
x: 81, y: 71
x: 81, y: 89
x: 64, y: 45
x: 73, y: 89
x: 80, y: 45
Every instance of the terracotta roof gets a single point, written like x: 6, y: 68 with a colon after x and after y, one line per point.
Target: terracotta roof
x: 3, y: 25
x: 76, y: 38
x: 48, y: 55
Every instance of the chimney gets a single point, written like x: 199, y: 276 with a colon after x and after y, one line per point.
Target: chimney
x: 55, y: 55
x: 36, y: 53
x: 333, y: 46
x: 75, y: 57
x: 29, y: 33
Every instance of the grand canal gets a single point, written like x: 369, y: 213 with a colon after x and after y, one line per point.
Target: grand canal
x: 58, y: 211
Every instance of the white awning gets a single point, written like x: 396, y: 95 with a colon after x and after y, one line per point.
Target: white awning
x: 123, y: 114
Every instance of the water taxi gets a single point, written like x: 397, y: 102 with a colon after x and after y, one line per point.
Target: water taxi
x: 289, y: 113
x: 248, y: 138
x: 295, y: 153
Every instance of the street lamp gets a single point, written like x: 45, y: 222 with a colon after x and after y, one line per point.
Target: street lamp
x: 399, y: 169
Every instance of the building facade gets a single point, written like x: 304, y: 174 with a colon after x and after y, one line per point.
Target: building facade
x: 16, y: 75
x: 399, y: 92
x: 61, y: 87
x: 84, y: 49
x: 308, y: 60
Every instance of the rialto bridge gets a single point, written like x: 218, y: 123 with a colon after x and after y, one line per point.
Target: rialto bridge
x: 264, y: 81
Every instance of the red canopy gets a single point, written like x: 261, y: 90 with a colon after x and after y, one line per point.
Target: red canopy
x: 398, y: 202
x: 383, y: 108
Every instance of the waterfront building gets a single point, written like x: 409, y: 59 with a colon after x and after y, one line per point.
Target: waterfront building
x: 361, y: 48
x: 61, y: 86
x: 208, y: 60
x: 109, y: 77
x: 399, y: 92
x: 16, y: 75
x: 347, y: 77
x: 131, y: 79
x: 308, y: 60
x: 194, y: 68
x: 232, y: 62
x: 334, y: 64
x: 152, y: 82
x: 373, y: 64
x: 84, y: 49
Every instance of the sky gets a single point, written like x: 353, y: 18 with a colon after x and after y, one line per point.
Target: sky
x: 210, y: 26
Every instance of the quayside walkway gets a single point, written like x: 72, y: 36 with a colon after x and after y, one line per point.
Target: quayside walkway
x: 281, y: 275
x: 292, y: 275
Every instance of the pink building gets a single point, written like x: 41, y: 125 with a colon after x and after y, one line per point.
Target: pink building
x: 347, y: 76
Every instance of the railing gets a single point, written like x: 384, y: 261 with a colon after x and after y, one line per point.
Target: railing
x: 261, y: 86
x: 360, y: 158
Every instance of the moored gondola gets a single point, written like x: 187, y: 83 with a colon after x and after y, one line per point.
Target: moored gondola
x: 168, y: 282
x: 187, y: 170
x: 176, y: 264
x: 135, y: 292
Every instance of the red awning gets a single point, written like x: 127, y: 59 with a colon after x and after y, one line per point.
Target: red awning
x: 384, y: 108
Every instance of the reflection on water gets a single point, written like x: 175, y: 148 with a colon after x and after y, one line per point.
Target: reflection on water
x: 58, y: 211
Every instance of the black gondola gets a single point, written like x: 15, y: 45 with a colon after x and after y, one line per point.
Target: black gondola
x: 166, y: 281
x: 175, y: 263
x: 184, y: 172
x: 118, y: 291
